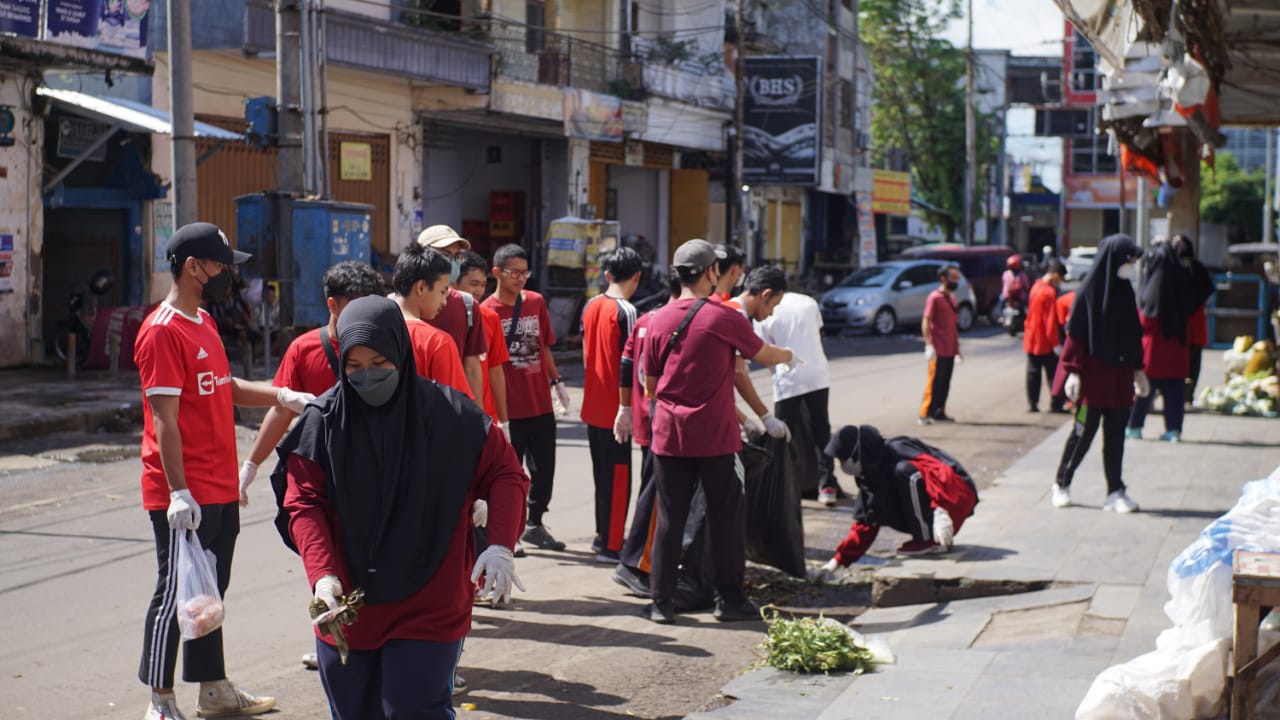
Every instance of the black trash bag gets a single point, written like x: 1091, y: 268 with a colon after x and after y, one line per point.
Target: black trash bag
x: 696, y: 581
x: 775, y: 530
x: 804, y: 454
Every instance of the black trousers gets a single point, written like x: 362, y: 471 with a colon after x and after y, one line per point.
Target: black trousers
x: 812, y: 406
x: 938, y: 387
x: 636, y: 549
x: 1048, y: 365
x: 1113, y: 421
x: 409, y: 679
x: 201, y: 658
x: 611, y: 467
x: 1193, y: 373
x: 675, y: 479
x: 534, y: 440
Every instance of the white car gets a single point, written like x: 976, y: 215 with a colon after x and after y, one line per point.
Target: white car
x: 1079, y: 262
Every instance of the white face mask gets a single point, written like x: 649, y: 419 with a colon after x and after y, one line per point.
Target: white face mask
x: 1127, y: 271
x: 851, y: 467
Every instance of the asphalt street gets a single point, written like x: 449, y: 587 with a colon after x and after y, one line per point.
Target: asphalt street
x: 77, y: 568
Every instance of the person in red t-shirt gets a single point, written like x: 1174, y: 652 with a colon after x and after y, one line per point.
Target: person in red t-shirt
x: 941, y: 345
x: 732, y: 264
x: 406, y: 539
x: 421, y: 282
x: 189, y: 462
x: 1043, y: 335
x: 688, y: 361
x: 458, y: 317
x: 473, y: 280
x: 532, y: 377
x: 606, y: 324
x: 306, y: 365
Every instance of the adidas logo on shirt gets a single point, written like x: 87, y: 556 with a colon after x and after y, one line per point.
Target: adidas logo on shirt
x: 202, y: 354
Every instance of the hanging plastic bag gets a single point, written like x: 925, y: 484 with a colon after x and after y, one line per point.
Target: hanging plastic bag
x: 775, y: 530
x: 200, y: 610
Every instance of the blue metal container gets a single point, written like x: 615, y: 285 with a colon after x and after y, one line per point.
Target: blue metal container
x: 256, y: 233
x: 324, y: 234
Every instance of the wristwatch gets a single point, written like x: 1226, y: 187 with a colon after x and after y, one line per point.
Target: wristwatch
x: 556, y: 381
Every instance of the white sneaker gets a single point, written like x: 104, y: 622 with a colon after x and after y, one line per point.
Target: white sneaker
x: 311, y: 661
x: 827, y: 496
x: 1119, y: 502
x: 224, y: 697
x: 1061, y: 496
x: 164, y: 706
x: 944, y: 533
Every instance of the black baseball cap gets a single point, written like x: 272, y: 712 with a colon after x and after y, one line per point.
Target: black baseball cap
x: 203, y: 241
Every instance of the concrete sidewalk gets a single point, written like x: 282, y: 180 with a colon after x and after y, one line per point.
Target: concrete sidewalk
x: 40, y: 401
x: 1034, y: 654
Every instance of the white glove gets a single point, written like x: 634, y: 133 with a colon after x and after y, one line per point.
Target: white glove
x: 622, y: 425
x: 930, y: 354
x: 793, y: 363
x: 248, y: 471
x: 560, y: 399
x: 498, y: 568
x: 1072, y: 387
x: 752, y: 426
x: 480, y: 513
x: 328, y: 590
x: 184, y: 511
x: 775, y: 427
x: 506, y: 430
x: 1141, y: 385
x: 293, y: 401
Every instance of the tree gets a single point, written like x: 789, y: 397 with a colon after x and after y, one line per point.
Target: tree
x: 918, y: 101
x: 1231, y: 196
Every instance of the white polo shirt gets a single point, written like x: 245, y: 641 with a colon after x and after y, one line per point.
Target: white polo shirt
x: 797, y: 323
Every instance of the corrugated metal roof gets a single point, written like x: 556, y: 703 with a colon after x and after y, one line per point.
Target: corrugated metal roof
x: 133, y: 115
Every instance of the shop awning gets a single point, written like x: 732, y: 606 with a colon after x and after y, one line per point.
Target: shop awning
x: 127, y: 114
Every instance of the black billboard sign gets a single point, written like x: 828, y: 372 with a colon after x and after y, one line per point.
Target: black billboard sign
x: 780, y: 137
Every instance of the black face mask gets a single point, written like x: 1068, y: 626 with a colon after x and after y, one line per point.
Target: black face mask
x: 215, y: 288
x: 952, y: 285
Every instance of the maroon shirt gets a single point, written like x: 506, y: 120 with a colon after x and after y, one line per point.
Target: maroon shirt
x: 528, y: 381
x: 639, y: 403
x: 1164, y: 357
x: 1101, y: 385
x: 441, y: 610
x: 940, y: 308
x: 693, y: 415
x: 452, y: 319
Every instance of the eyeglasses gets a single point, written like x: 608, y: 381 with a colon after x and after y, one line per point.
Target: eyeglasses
x: 515, y: 274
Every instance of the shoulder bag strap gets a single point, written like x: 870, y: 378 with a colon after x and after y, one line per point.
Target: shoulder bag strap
x: 515, y: 319
x: 679, y: 331
x: 326, y: 342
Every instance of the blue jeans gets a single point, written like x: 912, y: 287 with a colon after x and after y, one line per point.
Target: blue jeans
x: 402, y: 680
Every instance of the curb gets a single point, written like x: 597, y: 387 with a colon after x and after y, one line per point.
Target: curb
x: 72, y: 421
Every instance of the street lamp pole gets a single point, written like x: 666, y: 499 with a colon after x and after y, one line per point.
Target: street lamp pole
x: 970, y: 138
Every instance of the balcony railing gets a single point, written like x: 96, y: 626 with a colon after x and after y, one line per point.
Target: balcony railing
x: 541, y: 56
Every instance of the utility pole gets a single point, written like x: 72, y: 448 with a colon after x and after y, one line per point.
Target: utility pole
x: 739, y: 121
x: 289, y: 180
x: 182, y: 106
x: 1269, y: 172
x: 970, y: 138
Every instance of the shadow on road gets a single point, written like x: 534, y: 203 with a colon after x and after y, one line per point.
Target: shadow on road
x: 581, y: 634
x: 566, y: 700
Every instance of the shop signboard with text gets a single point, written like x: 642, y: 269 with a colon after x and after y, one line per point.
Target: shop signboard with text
x: 113, y: 26
x: 781, y: 111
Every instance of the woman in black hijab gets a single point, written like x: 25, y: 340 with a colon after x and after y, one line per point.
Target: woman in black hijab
x: 1198, y: 323
x: 375, y: 485
x: 1101, y: 368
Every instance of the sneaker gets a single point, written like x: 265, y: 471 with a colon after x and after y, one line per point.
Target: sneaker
x: 1131, y: 433
x: 1061, y: 496
x: 597, y: 545
x: 164, y: 706
x: 1033, y: 409
x: 519, y: 550
x: 1172, y: 436
x: 944, y: 532
x: 925, y: 420
x: 744, y: 611
x: 661, y: 615
x: 608, y: 556
x: 311, y: 661
x: 224, y: 697
x: 1119, y: 502
x: 827, y: 496
x: 1059, y: 410
x: 459, y: 684
x: 943, y: 418
x: 537, y: 536
x: 636, y: 582
x: 920, y: 547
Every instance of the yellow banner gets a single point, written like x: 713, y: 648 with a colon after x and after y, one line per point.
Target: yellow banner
x: 891, y: 192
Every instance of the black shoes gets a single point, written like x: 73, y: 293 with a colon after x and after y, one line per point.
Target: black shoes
x: 636, y: 582
x: 736, y: 612
x: 661, y: 615
x: 537, y: 536
x: 943, y: 418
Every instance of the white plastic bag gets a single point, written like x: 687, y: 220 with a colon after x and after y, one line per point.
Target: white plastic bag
x: 200, y: 609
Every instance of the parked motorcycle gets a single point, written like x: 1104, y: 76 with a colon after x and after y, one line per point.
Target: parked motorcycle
x: 79, y: 318
x: 1013, y: 316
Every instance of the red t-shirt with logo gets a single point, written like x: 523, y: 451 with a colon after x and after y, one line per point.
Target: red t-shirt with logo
x: 305, y: 366
x: 436, y: 356
x: 452, y: 319
x: 606, y: 325
x: 183, y: 357
x: 940, y: 308
x: 634, y: 349
x: 693, y: 413
x: 528, y: 381
x: 496, y: 356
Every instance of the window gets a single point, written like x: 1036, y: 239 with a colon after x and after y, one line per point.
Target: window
x: 1110, y: 221
x: 921, y: 275
x: 1084, y: 74
x: 535, y: 17
x: 846, y: 104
